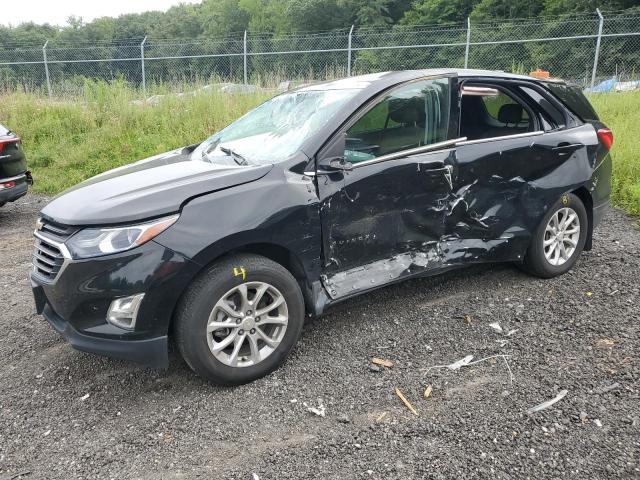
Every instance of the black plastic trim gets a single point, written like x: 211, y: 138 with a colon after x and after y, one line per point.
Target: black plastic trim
x: 152, y: 352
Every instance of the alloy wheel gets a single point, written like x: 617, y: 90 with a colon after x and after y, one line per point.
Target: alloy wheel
x: 247, y: 324
x: 561, y: 236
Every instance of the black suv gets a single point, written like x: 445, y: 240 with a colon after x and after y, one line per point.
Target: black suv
x: 317, y: 195
x: 14, y: 176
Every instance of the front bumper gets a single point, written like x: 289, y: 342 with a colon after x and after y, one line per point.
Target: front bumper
x: 12, y: 194
x: 150, y: 352
x: 76, y: 302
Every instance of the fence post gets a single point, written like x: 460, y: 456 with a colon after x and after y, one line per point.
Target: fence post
x: 46, y: 66
x: 349, y: 52
x: 244, y: 57
x: 144, y: 75
x: 466, y: 50
x: 595, y: 60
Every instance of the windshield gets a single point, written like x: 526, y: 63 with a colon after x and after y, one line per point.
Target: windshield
x: 276, y: 129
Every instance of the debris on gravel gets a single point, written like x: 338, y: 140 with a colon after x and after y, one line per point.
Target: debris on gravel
x: 406, y: 402
x: 427, y: 392
x: 544, y: 405
x: 320, y: 410
x: 150, y: 424
x: 382, y: 363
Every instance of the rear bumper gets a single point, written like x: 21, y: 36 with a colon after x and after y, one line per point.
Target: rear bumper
x: 12, y: 194
x: 599, y: 212
x: 150, y: 352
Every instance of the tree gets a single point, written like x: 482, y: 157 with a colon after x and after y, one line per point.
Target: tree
x: 374, y: 12
x: 563, y: 7
x: 222, y: 17
x: 506, y: 9
x: 265, y: 15
x: 426, y: 12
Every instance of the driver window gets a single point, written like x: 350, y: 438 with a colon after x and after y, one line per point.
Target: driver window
x: 411, y: 116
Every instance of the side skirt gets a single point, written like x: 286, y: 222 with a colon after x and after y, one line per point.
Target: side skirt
x: 442, y: 257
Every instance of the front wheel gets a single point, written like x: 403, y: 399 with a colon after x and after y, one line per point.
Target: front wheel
x: 559, y: 239
x: 239, y: 320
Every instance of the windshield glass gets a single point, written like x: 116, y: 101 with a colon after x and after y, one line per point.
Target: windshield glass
x: 276, y: 129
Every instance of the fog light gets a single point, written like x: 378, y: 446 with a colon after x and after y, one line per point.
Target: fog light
x: 123, y: 311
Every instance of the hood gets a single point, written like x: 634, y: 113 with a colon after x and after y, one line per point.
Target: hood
x: 149, y: 188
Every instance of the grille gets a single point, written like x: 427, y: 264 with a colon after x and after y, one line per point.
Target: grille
x: 59, y: 232
x: 48, y: 258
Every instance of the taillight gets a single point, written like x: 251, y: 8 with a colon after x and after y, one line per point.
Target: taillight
x: 4, y: 143
x: 7, y: 185
x: 605, y: 135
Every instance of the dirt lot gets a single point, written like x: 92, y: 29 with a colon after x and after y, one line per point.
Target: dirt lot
x: 65, y: 414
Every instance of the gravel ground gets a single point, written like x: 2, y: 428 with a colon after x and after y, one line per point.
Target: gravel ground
x: 66, y: 414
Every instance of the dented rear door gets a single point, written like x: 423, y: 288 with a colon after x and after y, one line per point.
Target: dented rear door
x: 503, y: 187
x: 495, y: 201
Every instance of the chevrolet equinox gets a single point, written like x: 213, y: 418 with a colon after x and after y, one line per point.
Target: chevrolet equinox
x: 317, y: 195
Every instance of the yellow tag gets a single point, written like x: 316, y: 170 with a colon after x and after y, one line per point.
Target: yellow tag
x: 240, y: 271
x: 565, y: 199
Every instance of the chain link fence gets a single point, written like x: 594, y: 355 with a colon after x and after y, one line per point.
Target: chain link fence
x: 584, y: 49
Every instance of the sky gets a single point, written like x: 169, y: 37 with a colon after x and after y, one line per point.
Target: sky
x: 56, y: 12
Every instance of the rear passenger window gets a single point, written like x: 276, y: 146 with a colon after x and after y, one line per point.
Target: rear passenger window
x: 502, y: 108
x: 551, y: 116
x: 493, y: 115
x: 414, y: 115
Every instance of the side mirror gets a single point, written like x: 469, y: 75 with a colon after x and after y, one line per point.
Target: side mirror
x: 339, y: 163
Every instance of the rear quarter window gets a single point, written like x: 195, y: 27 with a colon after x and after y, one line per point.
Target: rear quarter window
x: 552, y: 117
x: 573, y: 98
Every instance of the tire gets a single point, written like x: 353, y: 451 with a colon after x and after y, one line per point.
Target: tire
x: 536, y: 261
x: 219, y: 292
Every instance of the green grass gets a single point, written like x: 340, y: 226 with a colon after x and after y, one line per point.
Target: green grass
x: 67, y: 141
x: 621, y: 113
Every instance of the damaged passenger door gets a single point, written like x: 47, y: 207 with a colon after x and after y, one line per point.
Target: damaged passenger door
x: 384, y: 181
x: 518, y: 159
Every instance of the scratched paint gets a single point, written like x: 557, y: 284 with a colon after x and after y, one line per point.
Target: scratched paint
x: 483, y: 206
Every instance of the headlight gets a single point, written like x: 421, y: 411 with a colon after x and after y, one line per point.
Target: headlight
x: 93, y: 242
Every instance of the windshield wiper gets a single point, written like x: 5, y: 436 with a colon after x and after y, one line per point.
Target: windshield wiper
x: 239, y: 159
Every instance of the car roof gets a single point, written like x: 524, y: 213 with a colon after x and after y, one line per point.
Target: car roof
x: 384, y: 79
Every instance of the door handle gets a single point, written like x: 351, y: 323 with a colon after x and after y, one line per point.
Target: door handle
x: 311, y: 173
x: 433, y: 165
x: 565, y: 148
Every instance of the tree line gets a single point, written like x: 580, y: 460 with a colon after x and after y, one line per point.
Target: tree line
x: 219, y: 18
x: 205, y: 41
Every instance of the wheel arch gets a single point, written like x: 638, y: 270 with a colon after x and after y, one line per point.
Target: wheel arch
x: 273, y: 251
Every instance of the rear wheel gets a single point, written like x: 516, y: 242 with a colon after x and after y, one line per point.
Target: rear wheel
x: 239, y: 320
x: 559, y: 239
